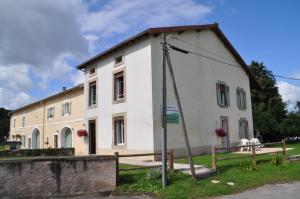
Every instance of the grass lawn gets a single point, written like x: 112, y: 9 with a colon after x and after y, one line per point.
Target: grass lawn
x: 1, y: 148
x: 183, y: 186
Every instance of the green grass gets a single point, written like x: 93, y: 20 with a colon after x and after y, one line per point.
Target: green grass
x: 2, y: 148
x: 183, y: 186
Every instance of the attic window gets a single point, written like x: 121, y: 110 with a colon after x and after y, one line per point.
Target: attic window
x: 119, y: 60
x: 92, y: 71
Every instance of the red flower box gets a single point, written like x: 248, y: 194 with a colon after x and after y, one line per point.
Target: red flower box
x: 82, y: 133
x: 220, y: 132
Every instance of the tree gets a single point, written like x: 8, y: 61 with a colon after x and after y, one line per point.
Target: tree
x: 268, y: 108
x: 4, y: 123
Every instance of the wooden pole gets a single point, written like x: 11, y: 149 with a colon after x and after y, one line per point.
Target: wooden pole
x: 164, y: 117
x: 171, y: 159
x: 186, y: 140
x: 213, y: 157
x: 117, y: 167
x: 253, y: 154
x: 283, y: 150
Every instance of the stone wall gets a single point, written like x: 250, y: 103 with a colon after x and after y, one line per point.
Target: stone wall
x: 57, y: 176
x: 38, y: 152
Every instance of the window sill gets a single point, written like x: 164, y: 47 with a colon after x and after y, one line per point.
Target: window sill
x: 119, y: 101
x: 223, y: 106
x: 92, y: 106
x: 123, y: 146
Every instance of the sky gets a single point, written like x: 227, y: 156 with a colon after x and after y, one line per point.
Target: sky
x: 41, y: 42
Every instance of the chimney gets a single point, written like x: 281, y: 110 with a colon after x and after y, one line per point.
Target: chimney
x: 64, y: 88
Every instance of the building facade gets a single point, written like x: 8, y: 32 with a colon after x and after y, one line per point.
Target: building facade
x: 52, y: 122
x: 123, y: 98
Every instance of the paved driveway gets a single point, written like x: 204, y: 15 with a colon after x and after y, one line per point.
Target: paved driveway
x: 277, y: 191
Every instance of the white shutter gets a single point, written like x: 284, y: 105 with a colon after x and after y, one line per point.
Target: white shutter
x: 70, y: 108
x: 62, y: 109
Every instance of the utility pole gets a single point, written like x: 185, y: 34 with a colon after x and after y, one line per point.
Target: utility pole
x: 187, y: 144
x: 164, y: 117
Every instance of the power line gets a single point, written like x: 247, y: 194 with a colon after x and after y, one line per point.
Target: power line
x: 220, y: 61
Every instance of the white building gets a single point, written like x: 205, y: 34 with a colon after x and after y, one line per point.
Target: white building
x: 123, y: 92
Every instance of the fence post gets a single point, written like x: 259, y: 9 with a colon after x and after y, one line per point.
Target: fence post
x: 253, y: 154
x: 171, y: 159
x: 117, y: 167
x: 213, y: 157
x: 283, y: 150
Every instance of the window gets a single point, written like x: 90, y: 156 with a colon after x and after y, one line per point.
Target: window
x: 29, y: 143
x: 92, y: 93
x: 92, y: 71
x: 23, y: 138
x: 225, y: 126
x: 23, y: 121
x: 241, y: 98
x: 223, y: 94
x: 119, y: 132
x: 55, y: 140
x: 14, y: 121
x: 66, y: 108
x: 118, y: 60
x: 50, y: 112
x: 243, y: 128
x: 119, y: 93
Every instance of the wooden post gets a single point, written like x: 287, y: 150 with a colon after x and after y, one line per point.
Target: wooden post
x: 213, y: 157
x: 117, y: 167
x: 171, y: 160
x: 183, y: 125
x: 283, y: 150
x: 253, y: 154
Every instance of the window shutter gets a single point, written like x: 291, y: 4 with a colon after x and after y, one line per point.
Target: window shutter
x: 245, y: 100
x: 218, y: 90
x: 238, y: 98
x: 53, y: 111
x: 48, y: 113
x: 241, y: 129
x: 246, y: 129
x: 70, y: 107
x: 62, y: 109
x: 227, y: 96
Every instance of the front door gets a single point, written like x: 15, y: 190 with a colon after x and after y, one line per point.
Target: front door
x: 92, y: 137
x: 224, y: 125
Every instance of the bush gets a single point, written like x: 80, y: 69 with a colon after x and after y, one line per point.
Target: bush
x: 248, y: 165
x: 278, y: 160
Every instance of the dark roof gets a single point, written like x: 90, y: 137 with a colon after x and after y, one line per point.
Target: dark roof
x: 156, y: 31
x: 79, y: 86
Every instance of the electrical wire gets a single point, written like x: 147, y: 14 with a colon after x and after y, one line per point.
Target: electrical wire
x: 217, y: 60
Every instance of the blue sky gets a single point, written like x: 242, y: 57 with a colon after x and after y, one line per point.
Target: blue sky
x: 42, y: 41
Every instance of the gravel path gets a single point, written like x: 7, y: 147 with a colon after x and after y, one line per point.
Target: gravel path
x: 276, y: 191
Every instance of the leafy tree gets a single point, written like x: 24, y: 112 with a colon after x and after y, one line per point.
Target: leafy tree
x: 4, y: 123
x: 268, y: 108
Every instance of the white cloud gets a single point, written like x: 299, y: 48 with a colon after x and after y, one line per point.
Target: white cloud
x: 77, y: 77
x: 39, y: 39
x: 289, y: 92
x: 121, y: 16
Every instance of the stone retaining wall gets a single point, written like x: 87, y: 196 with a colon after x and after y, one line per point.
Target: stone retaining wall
x: 57, y: 176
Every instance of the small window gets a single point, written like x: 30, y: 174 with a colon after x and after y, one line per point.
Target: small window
x: 50, y: 112
x: 66, y: 108
x: 119, y: 132
x: 241, y: 98
x: 14, y: 121
x: 92, y: 93
x: 243, y: 128
x: 119, y: 92
x: 92, y: 71
x: 23, y: 121
x: 223, y: 94
x: 118, y: 60
x: 23, y: 139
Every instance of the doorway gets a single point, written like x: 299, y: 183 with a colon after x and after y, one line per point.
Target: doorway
x: 224, y: 125
x: 92, y: 137
x: 35, y: 139
x: 66, y: 138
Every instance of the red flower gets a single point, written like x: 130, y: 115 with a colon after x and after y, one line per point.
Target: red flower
x: 220, y: 132
x: 82, y: 133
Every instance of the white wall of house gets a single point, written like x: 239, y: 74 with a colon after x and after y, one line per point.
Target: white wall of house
x: 196, y: 80
x: 138, y: 104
